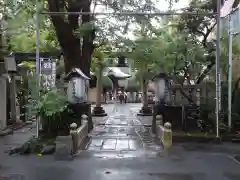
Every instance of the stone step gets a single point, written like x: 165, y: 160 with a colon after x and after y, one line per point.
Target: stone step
x: 118, y: 154
x: 120, y: 125
x: 113, y: 137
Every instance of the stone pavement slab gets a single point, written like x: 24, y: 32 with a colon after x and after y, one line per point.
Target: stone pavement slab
x: 96, y: 142
x: 134, y: 145
x: 122, y: 144
x: 109, y: 144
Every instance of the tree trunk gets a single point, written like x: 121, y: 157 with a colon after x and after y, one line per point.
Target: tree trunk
x: 75, y: 54
x: 205, y: 72
x: 99, y: 88
x: 88, y: 38
x: 235, y: 90
x: 190, y: 100
x: 144, y: 93
x: 1, y: 45
x: 145, y: 110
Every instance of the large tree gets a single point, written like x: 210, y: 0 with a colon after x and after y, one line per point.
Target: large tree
x: 94, y: 30
x: 77, y: 52
x: 144, y: 53
x: 201, y: 26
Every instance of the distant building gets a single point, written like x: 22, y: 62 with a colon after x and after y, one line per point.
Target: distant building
x: 230, y: 8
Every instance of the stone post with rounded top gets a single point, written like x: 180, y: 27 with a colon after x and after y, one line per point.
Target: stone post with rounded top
x: 159, y: 123
x: 84, y: 119
x: 159, y: 120
x: 84, y: 131
x: 73, y: 133
x: 167, y: 137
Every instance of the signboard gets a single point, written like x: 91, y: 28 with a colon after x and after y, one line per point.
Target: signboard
x: 48, y: 72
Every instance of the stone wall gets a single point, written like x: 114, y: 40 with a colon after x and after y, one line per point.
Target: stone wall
x: 92, y: 94
x: 68, y: 146
x: 3, y: 103
x: 79, y: 135
x: 176, y: 97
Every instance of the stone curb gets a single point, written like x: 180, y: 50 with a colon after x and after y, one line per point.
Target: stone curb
x: 97, y: 119
x: 11, y: 129
x: 207, y: 139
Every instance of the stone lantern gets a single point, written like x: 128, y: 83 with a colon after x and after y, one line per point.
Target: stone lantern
x: 77, y: 83
x: 161, y: 87
x: 161, y: 82
x: 10, y: 64
x: 11, y: 68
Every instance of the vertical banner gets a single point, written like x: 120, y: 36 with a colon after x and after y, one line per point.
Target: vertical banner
x: 48, y: 72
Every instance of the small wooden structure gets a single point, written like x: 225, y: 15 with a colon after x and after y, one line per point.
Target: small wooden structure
x: 77, y: 86
x: 78, y: 83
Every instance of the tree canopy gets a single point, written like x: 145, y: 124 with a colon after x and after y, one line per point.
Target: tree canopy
x: 180, y: 43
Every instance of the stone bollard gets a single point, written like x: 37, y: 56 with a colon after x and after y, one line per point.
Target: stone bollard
x: 159, y: 120
x: 85, y: 124
x: 167, y: 137
x: 84, y: 119
x: 159, y: 124
x: 73, y: 133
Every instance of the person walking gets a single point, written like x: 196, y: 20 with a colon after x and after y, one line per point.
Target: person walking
x: 121, y: 97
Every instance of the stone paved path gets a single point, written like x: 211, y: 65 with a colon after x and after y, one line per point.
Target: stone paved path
x: 122, y: 136
x: 187, y: 161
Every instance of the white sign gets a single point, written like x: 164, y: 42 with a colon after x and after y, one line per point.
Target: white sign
x: 48, y: 71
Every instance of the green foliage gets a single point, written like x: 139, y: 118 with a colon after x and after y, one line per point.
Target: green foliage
x: 53, y: 102
x: 28, y: 65
x: 84, y: 29
x: 145, y: 51
x: 133, y: 84
x: 100, y: 58
x: 107, y: 83
x: 198, y: 24
x: 19, y: 27
x: 225, y: 52
x: 26, y: 42
x: 48, y: 103
x: 182, y: 52
x: 208, y: 108
x: 178, y: 51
